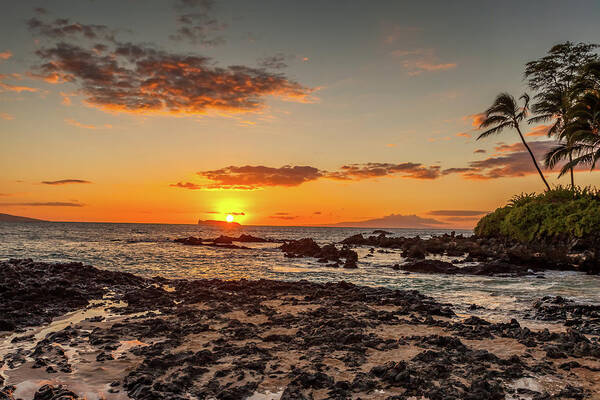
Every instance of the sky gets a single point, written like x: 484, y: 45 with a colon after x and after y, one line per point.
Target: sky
x: 276, y: 112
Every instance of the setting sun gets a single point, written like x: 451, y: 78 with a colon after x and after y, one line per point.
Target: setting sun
x: 229, y: 218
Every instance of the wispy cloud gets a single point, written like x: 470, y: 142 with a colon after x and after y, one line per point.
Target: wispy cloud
x: 475, y: 119
x: 278, y: 61
x: 5, y: 55
x: 14, y: 88
x: 540, y: 130
x: 45, y: 204
x: 418, y: 61
x: 457, y: 213
x: 65, y: 182
x: 6, y: 116
x: 78, y: 124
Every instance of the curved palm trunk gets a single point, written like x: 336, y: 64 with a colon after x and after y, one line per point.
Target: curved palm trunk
x: 532, y: 156
x: 572, y: 178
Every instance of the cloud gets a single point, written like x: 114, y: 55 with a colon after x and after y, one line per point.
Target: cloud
x: 462, y: 219
x: 317, y: 213
x: 196, y: 25
x: 540, y: 130
x: 284, y: 217
x: 77, y: 124
x: 374, y: 170
x: 282, y: 213
x: 395, y: 221
x: 65, y: 182
x: 14, y: 88
x: 456, y: 170
x: 457, y: 213
x: 45, y: 204
x: 188, y: 185
x: 254, y: 177
x: 480, y: 151
x: 273, y: 62
x: 5, y: 55
x: 6, y: 116
x: 250, y: 177
x: 236, y: 213
x: 475, y: 119
x: 139, y: 79
x: 418, y: 61
x: 62, y: 28
x: 464, y: 134
x: 510, y: 160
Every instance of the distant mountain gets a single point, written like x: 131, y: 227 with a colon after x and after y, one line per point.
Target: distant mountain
x: 220, y: 224
x: 395, y: 221
x: 16, y: 218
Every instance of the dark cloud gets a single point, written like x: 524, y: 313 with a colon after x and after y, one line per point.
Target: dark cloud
x: 457, y: 213
x: 510, y: 160
x: 374, y: 170
x: 317, y: 213
x: 480, y: 151
x: 282, y: 213
x: 65, y: 182
x: 273, y: 62
x: 236, y: 213
x: 395, y: 221
x: 254, y: 177
x: 513, y: 161
x: 45, y: 204
x: 139, y: 79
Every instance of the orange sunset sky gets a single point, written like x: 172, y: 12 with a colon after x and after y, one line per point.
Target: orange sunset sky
x: 277, y: 112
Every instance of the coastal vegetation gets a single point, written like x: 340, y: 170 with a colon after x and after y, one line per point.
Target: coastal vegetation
x: 558, y: 215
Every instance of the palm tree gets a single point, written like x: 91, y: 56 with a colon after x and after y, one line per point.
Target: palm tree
x: 505, y: 113
x: 553, y: 78
x: 584, y: 131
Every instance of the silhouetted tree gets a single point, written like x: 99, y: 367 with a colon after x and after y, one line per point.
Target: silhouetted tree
x: 506, y: 113
x: 554, y: 78
x: 584, y: 130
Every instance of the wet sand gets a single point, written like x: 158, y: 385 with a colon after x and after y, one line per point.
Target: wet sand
x: 212, y: 339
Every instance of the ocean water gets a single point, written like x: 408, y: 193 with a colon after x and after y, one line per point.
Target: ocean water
x: 149, y: 250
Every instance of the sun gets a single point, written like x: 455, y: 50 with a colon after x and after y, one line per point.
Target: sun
x: 229, y: 218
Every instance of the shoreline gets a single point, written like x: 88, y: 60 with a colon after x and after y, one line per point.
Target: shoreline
x: 151, y: 338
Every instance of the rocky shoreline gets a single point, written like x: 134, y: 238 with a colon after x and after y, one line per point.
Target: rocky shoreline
x: 74, y: 331
x: 466, y: 255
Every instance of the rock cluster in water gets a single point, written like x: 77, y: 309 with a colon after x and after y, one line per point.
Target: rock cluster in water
x: 309, y: 248
x: 229, y: 339
x: 515, y: 258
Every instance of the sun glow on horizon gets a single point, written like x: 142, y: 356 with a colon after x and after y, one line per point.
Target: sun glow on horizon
x: 229, y: 218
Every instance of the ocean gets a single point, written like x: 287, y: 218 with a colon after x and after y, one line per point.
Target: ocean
x: 149, y: 250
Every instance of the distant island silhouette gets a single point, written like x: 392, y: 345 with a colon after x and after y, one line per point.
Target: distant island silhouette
x: 16, y: 218
x: 220, y: 224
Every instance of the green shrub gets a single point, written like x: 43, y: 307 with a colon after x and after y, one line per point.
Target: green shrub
x: 557, y: 214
